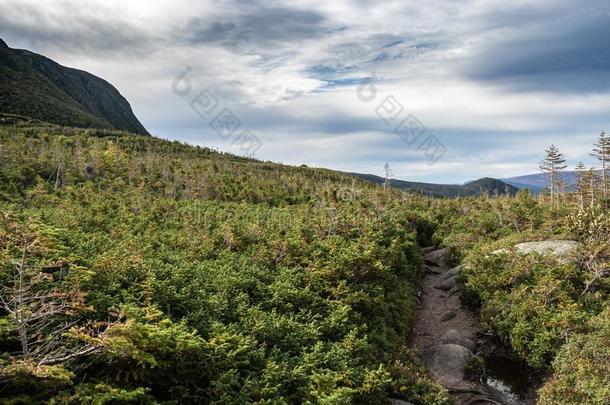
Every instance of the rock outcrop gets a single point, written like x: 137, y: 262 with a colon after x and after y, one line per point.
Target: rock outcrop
x: 562, y: 249
x: 559, y: 248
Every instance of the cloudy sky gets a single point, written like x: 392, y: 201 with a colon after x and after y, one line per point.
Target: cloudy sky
x: 326, y: 82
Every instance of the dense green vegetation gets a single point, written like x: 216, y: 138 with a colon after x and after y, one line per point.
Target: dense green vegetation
x: 142, y: 270
x: 35, y: 86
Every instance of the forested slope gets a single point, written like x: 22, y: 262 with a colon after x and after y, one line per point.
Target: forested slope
x: 140, y: 270
x: 135, y: 269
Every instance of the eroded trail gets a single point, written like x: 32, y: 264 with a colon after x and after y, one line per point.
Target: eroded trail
x: 446, y: 334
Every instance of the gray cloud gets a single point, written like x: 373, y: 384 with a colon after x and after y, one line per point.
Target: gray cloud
x: 257, y: 25
x: 70, y: 29
x: 565, y: 52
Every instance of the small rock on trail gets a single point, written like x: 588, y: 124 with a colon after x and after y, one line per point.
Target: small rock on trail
x: 455, y: 337
x: 446, y: 285
x: 454, y: 272
x: 428, y: 249
x: 437, y: 257
x: 399, y: 402
x: 447, y: 363
x: 447, y: 316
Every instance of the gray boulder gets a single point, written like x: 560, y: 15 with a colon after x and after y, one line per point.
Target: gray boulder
x: 454, y: 337
x: 559, y: 248
x: 455, y: 290
x: 437, y: 257
x: 432, y: 270
x: 562, y: 249
x: 446, y: 284
x: 394, y: 401
x: 447, y: 362
x: 454, y: 271
x: 447, y: 316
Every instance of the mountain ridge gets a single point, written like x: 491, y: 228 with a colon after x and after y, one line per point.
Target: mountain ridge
x: 538, y: 182
x: 35, y: 86
x: 472, y: 188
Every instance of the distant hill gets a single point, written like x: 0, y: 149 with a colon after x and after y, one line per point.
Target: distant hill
x: 537, y: 182
x: 34, y: 86
x: 473, y: 188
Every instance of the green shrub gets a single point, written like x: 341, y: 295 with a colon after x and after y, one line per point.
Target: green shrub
x: 580, y: 371
x: 531, y: 302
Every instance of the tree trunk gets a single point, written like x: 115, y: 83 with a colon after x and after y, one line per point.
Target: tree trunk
x: 552, y: 186
x: 19, y: 303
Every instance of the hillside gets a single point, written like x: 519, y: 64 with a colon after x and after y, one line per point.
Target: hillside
x: 473, y: 188
x: 34, y: 86
x: 203, y: 277
x: 200, y: 277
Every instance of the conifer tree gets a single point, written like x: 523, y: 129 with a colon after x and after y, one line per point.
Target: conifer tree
x: 602, y: 153
x: 552, y: 164
x: 586, y: 185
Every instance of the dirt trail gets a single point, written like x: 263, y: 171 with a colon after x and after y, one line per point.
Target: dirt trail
x: 445, y: 333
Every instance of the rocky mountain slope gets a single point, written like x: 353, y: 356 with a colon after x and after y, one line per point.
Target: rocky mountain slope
x: 34, y: 86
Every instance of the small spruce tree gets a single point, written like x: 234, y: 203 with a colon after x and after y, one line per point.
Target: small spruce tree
x: 552, y: 164
x: 581, y: 183
x: 591, y: 178
x: 602, y: 153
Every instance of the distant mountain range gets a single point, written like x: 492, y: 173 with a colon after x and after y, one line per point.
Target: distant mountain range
x: 473, y: 188
x: 538, y: 182
x: 34, y: 86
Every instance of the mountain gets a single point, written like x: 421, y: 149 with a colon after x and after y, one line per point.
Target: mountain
x: 34, y: 86
x: 537, y: 182
x: 473, y: 188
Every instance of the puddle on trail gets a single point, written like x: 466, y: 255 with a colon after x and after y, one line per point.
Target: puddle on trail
x: 509, y: 378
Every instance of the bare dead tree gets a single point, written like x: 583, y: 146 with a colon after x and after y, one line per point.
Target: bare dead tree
x: 47, y: 319
x: 388, y: 176
x: 597, y: 268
